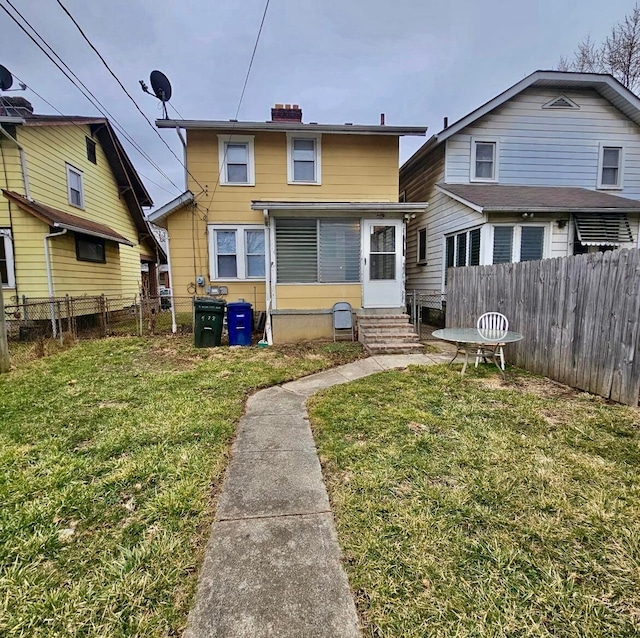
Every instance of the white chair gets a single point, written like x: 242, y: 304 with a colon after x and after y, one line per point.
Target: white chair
x: 492, y: 326
x: 342, y: 318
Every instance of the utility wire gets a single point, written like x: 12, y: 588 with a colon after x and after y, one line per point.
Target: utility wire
x: 244, y: 88
x: 70, y: 75
x: 122, y: 86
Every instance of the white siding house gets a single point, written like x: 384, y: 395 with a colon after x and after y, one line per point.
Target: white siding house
x: 549, y: 168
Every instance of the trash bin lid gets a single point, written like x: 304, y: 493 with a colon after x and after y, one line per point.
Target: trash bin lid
x: 238, y: 304
x: 206, y: 302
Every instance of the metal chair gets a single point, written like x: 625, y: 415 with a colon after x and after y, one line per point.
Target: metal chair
x: 492, y: 326
x: 342, y: 318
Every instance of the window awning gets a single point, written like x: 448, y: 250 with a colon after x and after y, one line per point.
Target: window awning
x: 610, y: 229
x: 59, y: 219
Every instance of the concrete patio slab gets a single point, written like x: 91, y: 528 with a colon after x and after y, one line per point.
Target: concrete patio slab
x: 273, y: 484
x: 275, y: 577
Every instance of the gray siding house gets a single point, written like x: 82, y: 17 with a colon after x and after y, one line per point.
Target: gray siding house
x: 549, y: 168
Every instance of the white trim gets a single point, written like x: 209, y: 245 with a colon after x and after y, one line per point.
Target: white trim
x: 171, y: 207
x: 5, y: 235
x: 516, y: 244
x: 72, y: 169
x: 317, y: 137
x: 610, y: 187
x: 223, y: 140
x: 462, y: 200
x: 496, y: 155
x: 241, y: 253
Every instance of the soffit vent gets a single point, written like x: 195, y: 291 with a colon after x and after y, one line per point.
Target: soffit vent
x: 561, y: 102
x: 607, y: 229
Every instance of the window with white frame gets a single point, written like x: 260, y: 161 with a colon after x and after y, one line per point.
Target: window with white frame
x: 517, y: 242
x: 303, y: 158
x: 75, y: 188
x: 317, y: 250
x: 237, y: 252
x: 237, y: 159
x: 7, y: 269
x: 462, y: 249
x: 484, y: 160
x: 610, y: 167
x: 421, y: 252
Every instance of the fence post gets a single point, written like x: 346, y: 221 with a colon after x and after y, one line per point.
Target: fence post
x: 67, y: 305
x: 25, y: 308
x: 60, y: 331
x: 140, y: 317
x: 5, y: 363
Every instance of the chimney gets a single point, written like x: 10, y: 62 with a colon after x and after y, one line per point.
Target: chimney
x: 286, y: 113
x: 15, y: 107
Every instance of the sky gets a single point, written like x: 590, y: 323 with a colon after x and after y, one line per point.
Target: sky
x: 340, y: 60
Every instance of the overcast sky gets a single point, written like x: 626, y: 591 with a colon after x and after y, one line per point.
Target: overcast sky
x: 341, y: 60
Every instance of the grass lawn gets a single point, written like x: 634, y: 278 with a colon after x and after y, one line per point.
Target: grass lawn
x: 111, y: 454
x: 473, y: 507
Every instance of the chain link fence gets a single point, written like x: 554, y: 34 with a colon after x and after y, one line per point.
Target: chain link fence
x: 427, y: 311
x: 92, y: 317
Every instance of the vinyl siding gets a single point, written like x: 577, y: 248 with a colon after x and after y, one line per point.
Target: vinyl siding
x: 354, y: 168
x: 10, y: 178
x: 48, y: 150
x: 550, y: 147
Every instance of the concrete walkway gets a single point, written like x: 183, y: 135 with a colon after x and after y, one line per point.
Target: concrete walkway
x: 272, y: 565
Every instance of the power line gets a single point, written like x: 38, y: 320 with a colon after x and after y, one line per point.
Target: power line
x: 122, y: 86
x: 244, y: 88
x: 93, y: 100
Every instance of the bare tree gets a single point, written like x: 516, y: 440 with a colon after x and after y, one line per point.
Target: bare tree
x: 619, y: 54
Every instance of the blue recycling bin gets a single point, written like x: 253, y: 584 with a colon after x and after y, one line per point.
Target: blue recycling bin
x: 239, y: 323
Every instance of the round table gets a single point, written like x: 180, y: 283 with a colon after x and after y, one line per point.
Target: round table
x: 467, y: 339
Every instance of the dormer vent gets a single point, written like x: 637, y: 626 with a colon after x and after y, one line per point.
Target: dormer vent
x: 561, y: 102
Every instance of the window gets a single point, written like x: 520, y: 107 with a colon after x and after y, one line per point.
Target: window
x: 303, y: 158
x: 7, y: 272
x: 237, y: 252
x: 91, y: 150
x: 74, y: 187
x: 462, y: 249
x: 422, y: 246
x: 318, y: 250
x: 90, y: 249
x: 236, y: 157
x: 610, y: 167
x: 484, y: 154
x: 517, y: 243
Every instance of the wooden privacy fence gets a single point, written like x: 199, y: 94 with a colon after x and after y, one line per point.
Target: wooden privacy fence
x: 580, y: 317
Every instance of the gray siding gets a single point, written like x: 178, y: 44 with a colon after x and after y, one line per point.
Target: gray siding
x: 550, y: 147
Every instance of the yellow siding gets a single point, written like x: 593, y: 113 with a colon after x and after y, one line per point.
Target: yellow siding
x: 10, y: 177
x: 316, y: 296
x: 48, y: 150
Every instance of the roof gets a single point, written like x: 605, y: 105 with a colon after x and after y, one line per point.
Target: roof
x: 60, y: 219
x: 293, y: 127
x: 486, y: 198
x: 129, y: 183
x: 603, y: 83
x: 170, y: 207
x: 298, y: 206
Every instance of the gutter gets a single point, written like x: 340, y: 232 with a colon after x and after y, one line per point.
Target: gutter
x: 47, y: 258
x: 23, y: 161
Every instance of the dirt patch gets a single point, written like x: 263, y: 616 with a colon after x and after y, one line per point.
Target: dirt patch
x: 539, y: 386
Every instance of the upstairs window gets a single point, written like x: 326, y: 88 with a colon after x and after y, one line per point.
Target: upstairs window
x: 91, y: 150
x: 236, y: 157
x: 610, y: 167
x: 75, y: 189
x: 484, y: 155
x: 303, y: 159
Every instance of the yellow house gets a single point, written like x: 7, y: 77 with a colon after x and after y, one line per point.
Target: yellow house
x: 71, y: 220
x: 291, y: 217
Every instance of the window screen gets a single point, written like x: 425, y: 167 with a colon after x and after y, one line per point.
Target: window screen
x: 531, y: 243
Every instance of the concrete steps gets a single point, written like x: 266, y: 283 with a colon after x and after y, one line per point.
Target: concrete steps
x: 388, y: 334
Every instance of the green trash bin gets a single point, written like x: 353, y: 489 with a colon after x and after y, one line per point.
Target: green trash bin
x: 209, y: 316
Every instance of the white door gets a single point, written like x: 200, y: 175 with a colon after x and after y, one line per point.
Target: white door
x: 382, y: 255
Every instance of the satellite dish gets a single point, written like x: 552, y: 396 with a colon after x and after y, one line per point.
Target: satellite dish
x: 6, y: 79
x: 161, y: 86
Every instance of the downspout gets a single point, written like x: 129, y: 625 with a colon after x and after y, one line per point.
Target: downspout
x: 174, y: 326
x: 23, y: 161
x: 47, y: 258
x: 267, y: 277
x: 184, y: 157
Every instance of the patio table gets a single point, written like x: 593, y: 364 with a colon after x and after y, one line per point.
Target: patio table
x: 467, y: 339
